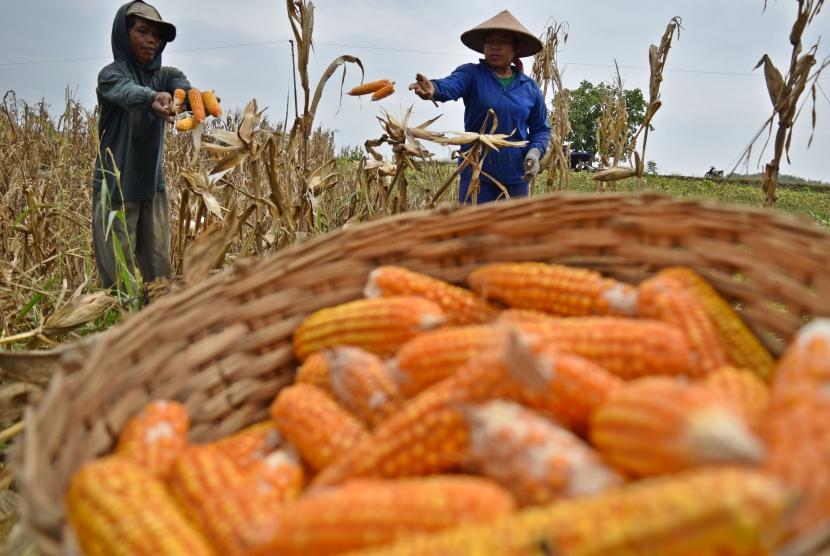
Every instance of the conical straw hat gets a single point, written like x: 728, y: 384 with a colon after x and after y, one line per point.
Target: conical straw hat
x: 504, y: 21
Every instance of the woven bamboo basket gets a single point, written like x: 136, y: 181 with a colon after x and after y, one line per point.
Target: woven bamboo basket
x: 223, y: 347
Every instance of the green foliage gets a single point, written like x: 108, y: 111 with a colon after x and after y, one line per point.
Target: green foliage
x: 584, y: 106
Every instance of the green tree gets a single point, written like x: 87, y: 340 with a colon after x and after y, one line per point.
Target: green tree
x: 584, y: 106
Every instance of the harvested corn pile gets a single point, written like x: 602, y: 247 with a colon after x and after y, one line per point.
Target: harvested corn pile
x: 544, y: 410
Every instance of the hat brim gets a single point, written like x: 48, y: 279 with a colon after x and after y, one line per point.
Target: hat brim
x: 528, y: 44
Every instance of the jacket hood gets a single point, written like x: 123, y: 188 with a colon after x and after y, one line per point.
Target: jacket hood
x: 122, y: 50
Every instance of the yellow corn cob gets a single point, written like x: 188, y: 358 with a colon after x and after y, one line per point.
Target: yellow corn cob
x: 742, y: 347
x: 183, y: 125
x: 429, y: 433
x: 626, y: 347
x: 374, y: 512
x: 660, y: 425
x: 520, y: 317
x: 178, y: 100
x: 194, y: 97
x: 315, y: 424
x: 227, y: 504
x: 379, y: 326
x: 534, y: 458
x: 433, y: 356
x: 805, y: 365
x: 211, y: 104
x: 743, y: 388
x: 116, y: 507
x: 362, y: 384
x: 556, y: 289
x: 666, y: 299
x: 250, y: 445
x: 315, y: 370
x: 715, y: 511
x: 155, y: 437
x: 459, y: 305
x: 798, y: 445
x: 370, y: 87
x: 384, y: 92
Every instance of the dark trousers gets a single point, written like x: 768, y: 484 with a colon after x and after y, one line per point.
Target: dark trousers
x: 145, y: 240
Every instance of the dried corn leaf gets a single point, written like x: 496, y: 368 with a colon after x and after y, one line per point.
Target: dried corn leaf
x: 77, y: 312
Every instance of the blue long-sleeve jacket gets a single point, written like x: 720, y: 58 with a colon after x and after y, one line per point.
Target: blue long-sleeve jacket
x: 521, y: 111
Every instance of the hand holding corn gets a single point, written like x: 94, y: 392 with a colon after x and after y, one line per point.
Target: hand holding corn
x: 162, y: 105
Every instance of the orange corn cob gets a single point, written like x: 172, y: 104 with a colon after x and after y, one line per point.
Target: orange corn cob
x: 315, y: 424
x: 250, y: 445
x: 433, y: 356
x: 665, y: 299
x: 155, y: 437
x: 537, y: 460
x: 715, y: 511
x: 556, y: 289
x: 805, y: 365
x: 362, y: 384
x: 211, y: 104
x: 116, y: 507
x: 384, y: 92
x: 520, y: 317
x: 315, y: 370
x: 370, y: 87
x: 194, y: 97
x: 742, y: 347
x: 178, y: 100
x: 798, y: 444
x: 743, y: 388
x: 375, y: 512
x: 183, y: 125
x: 660, y: 425
x: 429, y: 433
x: 227, y: 504
x: 459, y: 305
x: 379, y: 326
x: 629, y: 348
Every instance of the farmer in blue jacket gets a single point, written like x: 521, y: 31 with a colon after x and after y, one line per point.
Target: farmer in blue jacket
x: 135, y: 99
x: 497, y: 82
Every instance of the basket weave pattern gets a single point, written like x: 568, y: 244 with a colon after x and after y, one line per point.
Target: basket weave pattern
x: 223, y: 347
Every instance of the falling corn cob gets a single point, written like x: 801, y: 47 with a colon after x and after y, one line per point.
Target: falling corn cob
x: 183, y: 125
x: 115, y: 507
x: 433, y: 356
x: 250, y: 445
x: 805, y: 365
x: 194, y: 98
x: 556, y: 289
x: 379, y: 326
x: 384, y: 92
x: 362, y: 384
x: 178, y: 100
x: 626, y: 347
x: 366, y: 513
x: 315, y: 424
x: 660, y: 425
x: 429, y: 433
x: 370, y: 87
x: 742, y: 347
x: 666, y: 299
x: 743, y: 388
x: 534, y: 458
x: 211, y: 104
x: 155, y: 437
x: 459, y: 305
x: 798, y: 444
x: 715, y: 511
x: 315, y: 370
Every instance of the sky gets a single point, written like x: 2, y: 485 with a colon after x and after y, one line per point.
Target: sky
x: 713, y: 101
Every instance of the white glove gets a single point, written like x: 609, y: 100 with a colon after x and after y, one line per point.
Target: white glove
x: 531, y: 164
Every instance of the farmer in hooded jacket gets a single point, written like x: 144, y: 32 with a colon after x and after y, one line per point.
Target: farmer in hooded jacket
x: 498, y: 82
x: 135, y: 96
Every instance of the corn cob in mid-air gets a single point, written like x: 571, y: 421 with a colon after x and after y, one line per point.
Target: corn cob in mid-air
x: 369, y: 87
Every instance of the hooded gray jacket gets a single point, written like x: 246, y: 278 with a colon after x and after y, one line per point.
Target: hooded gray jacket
x: 131, y: 135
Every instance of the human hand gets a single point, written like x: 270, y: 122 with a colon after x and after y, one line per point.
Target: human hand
x: 531, y: 164
x: 423, y: 87
x: 163, y: 106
